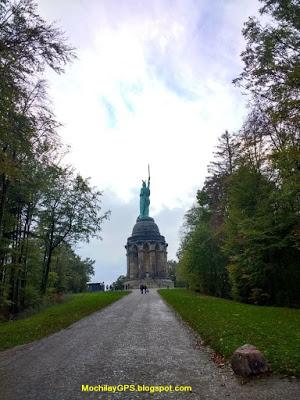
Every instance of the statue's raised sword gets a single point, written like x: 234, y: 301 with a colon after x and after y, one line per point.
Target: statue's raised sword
x: 148, y: 174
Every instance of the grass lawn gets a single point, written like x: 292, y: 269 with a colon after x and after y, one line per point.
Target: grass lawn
x: 54, y: 318
x: 226, y: 325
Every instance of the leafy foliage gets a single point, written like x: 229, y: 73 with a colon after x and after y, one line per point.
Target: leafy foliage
x: 242, y: 236
x: 119, y: 283
x: 44, y: 207
x: 271, y: 59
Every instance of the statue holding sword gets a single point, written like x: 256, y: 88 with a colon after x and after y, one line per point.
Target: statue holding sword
x: 145, y: 197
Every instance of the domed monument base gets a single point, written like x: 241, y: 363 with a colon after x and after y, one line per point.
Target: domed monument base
x: 146, y: 249
x: 147, y: 256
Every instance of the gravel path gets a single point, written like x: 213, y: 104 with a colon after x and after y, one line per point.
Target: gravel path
x: 137, y: 340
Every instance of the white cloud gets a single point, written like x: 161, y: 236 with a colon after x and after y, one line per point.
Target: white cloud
x: 152, y: 84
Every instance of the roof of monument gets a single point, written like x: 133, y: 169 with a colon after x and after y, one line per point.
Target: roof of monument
x: 145, y: 229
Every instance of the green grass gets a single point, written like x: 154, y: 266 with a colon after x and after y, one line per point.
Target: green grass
x: 54, y: 318
x: 226, y: 325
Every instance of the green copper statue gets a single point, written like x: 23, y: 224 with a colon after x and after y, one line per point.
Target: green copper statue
x: 145, y: 198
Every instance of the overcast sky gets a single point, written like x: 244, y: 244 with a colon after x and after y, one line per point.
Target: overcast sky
x: 152, y: 84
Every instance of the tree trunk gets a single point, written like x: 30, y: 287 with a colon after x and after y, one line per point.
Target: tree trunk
x: 47, y: 260
x: 4, y: 185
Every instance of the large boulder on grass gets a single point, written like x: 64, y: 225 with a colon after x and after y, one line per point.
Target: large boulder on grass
x: 247, y: 361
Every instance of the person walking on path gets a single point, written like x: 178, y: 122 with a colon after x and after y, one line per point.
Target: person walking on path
x: 142, y: 289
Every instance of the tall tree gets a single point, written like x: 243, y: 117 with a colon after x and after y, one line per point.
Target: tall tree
x: 29, y: 144
x: 69, y: 212
x: 247, y: 217
x: 272, y: 59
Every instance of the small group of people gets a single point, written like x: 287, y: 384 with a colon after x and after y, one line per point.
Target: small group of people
x: 144, y: 289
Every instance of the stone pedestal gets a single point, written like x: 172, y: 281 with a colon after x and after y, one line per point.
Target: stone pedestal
x: 147, y: 256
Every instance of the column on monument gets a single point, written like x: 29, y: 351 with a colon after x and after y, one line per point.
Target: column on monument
x: 157, y: 260
x: 133, y: 262
x: 164, y: 261
x: 152, y: 260
x: 161, y: 263
x: 127, y: 258
x: 146, y: 260
x: 141, y: 261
